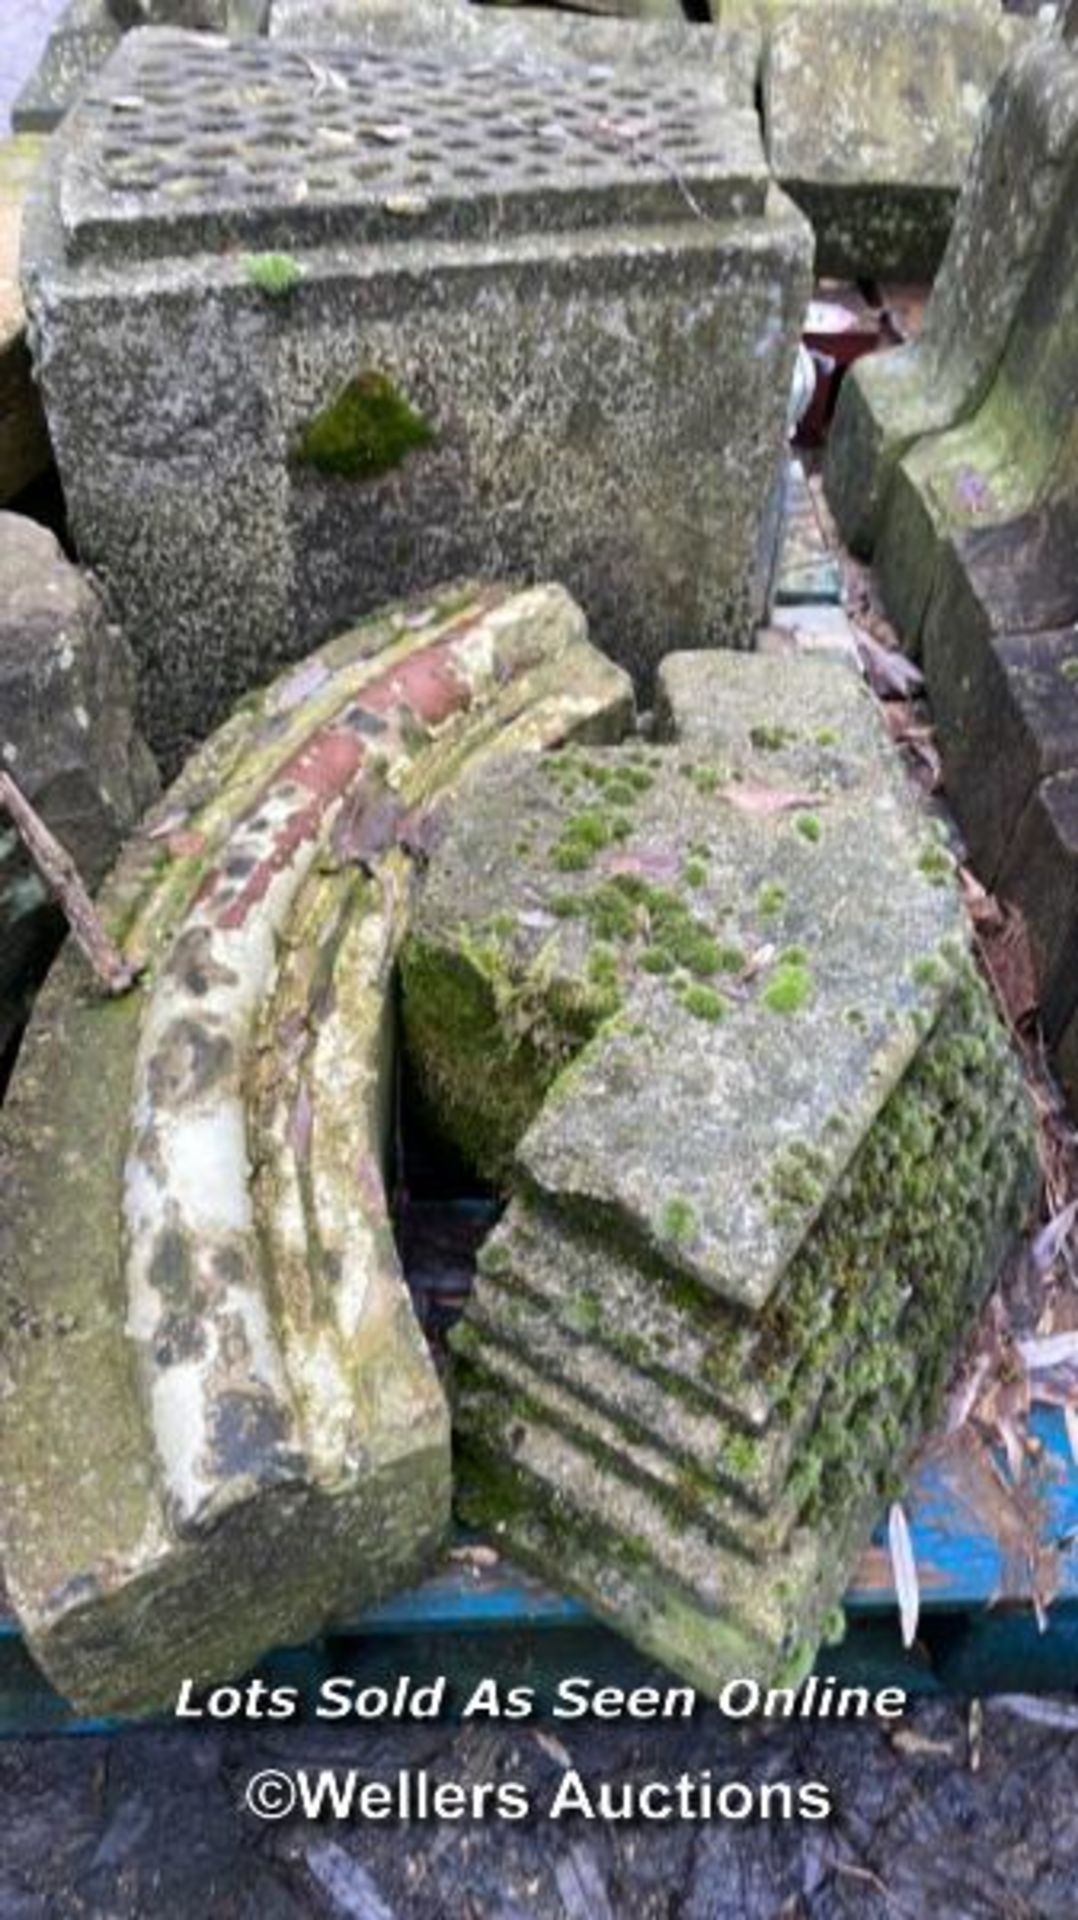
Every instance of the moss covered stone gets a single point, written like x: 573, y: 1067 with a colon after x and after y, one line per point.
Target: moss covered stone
x: 740, y: 1250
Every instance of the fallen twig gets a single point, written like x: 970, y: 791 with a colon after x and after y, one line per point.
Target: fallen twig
x: 61, y: 876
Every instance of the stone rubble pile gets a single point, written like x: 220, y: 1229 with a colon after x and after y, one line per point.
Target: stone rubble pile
x: 704, y: 1011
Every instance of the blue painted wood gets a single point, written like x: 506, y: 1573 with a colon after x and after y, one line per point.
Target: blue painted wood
x: 471, y: 1619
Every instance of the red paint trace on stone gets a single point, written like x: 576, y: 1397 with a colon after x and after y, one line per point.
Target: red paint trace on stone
x: 428, y: 686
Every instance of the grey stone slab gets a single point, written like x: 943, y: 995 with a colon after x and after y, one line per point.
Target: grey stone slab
x: 1040, y: 874
x: 999, y: 663
x: 479, y: 349
x: 742, y: 1243
x: 532, y: 36
x: 873, y: 140
x: 80, y: 43
x: 737, y: 845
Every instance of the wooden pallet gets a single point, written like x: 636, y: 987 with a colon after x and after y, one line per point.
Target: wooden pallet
x: 978, y: 1633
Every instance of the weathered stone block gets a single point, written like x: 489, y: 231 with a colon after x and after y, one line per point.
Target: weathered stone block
x: 369, y: 358
x: 1001, y: 666
x: 219, y: 1422
x: 704, y: 1010
x: 871, y: 115
x: 1067, y: 1060
x: 24, y: 440
x: 1023, y: 178
x: 233, y: 17
x: 1040, y: 873
x: 84, y: 36
x: 67, y: 736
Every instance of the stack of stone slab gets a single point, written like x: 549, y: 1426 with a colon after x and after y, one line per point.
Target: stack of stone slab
x: 219, y: 1422
x: 871, y: 114
x: 955, y: 463
x: 316, y: 328
x: 704, y: 1011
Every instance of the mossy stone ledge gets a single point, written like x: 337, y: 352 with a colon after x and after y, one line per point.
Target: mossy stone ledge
x: 740, y: 1252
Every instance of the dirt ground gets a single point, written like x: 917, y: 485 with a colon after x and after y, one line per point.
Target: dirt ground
x: 154, y: 1825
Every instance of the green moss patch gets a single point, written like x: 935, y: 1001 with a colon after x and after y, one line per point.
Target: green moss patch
x: 274, y: 274
x: 369, y: 429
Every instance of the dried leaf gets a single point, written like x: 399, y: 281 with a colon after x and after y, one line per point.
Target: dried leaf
x: 1042, y: 1713
x: 1053, y: 1236
x: 908, y: 1740
x: 581, y: 1885
x: 552, y: 1747
x: 1044, y: 1355
x: 904, y: 1571
x: 891, y: 674
x: 976, y: 1732
x: 476, y: 1555
x: 759, y: 802
x: 367, y: 825
x: 186, y: 845
x: 348, y: 1885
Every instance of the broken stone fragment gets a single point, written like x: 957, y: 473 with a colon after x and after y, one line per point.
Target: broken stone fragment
x: 220, y: 1423
x: 705, y: 1010
x: 83, y: 36
x: 870, y: 117
x: 540, y: 323
x: 1014, y: 210
x: 67, y: 736
x: 24, y: 440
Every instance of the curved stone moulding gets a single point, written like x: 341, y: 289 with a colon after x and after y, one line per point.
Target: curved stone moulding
x: 220, y: 1421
